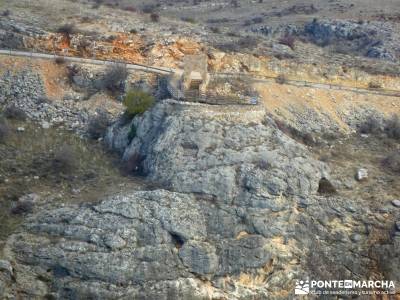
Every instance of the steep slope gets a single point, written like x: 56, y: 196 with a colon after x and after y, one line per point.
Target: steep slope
x: 246, y: 217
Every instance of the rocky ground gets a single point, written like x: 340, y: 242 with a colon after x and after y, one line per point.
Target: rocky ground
x: 212, y: 202
x: 241, y: 211
x: 307, y: 34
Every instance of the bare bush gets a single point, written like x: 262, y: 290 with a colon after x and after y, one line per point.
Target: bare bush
x: 72, y: 70
x: 370, y: 126
x: 4, y: 131
x: 66, y: 29
x: 130, y: 8
x: 248, y: 42
x: 114, y: 78
x: 133, y: 165
x: 83, y: 45
x: 374, y: 85
x: 14, y: 112
x: 263, y: 164
x: 245, y: 43
x: 64, y: 160
x: 148, y: 8
x: 22, y: 207
x: 188, y: 19
x: 59, y: 60
x: 304, y: 137
x: 154, y: 17
x: 326, y: 187
x: 281, y: 79
x: 98, y: 124
x: 257, y: 20
x: 6, y: 13
x: 392, y: 162
x: 215, y: 29
x: 235, y: 3
x: 288, y: 40
x: 392, y: 127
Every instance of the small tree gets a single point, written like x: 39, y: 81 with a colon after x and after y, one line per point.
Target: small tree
x: 137, y: 102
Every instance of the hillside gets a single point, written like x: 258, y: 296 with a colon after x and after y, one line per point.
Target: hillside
x: 266, y: 155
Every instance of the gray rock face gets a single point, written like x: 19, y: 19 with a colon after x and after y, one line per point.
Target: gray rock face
x: 371, y: 37
x: 13, y: 35
x: 200, y: 258
x: 130, y: 242
x: 25, y: 90
x: 244, y: 220
x: 246, y: 164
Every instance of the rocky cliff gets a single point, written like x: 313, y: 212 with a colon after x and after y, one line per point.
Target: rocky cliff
x: 241, y: 211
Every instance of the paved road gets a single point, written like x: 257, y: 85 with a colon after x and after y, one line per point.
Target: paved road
x: 130, y: 66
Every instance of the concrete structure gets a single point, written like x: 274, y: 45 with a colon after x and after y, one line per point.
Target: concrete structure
x: 192, y: 81
x: 195, y: 73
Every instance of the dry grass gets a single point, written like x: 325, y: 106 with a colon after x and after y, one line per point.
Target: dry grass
x: 83, y: 165
x: 392, y: 162
x: 256, y: 279
x: 282, y: 100
x: 4, y: 130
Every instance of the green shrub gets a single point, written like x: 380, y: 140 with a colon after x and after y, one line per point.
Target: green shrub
x: 137, y: 102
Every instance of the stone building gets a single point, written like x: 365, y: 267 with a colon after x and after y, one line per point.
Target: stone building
x: 192, y: 81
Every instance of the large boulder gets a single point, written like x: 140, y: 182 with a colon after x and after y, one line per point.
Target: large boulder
x: 246, y: 163
x: 242, y: 219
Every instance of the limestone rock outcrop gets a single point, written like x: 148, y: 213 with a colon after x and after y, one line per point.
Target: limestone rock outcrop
x: 236, y: 215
